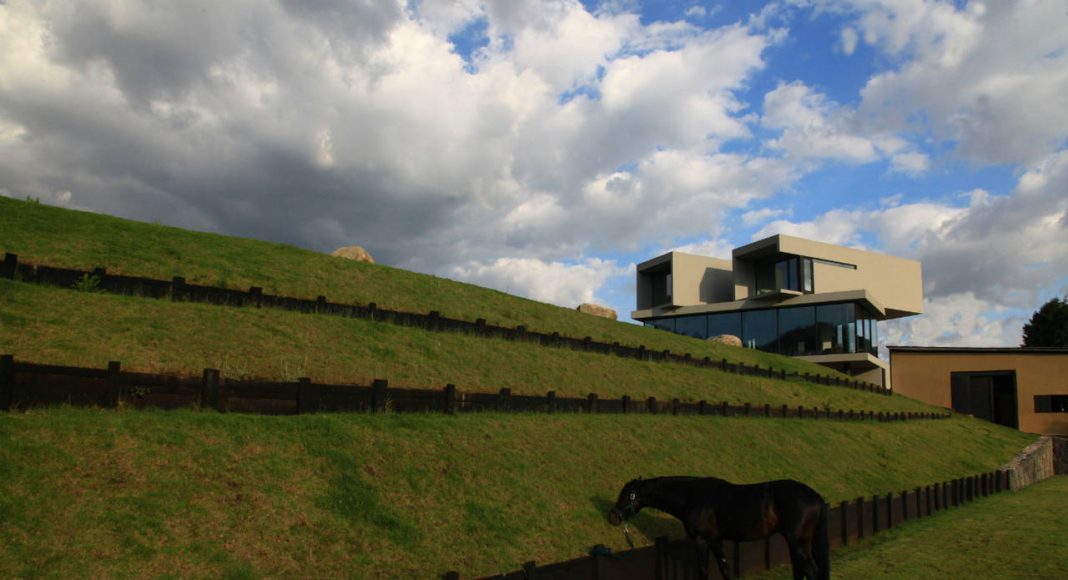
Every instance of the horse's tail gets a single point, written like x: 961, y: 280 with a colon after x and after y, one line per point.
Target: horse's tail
x: 821, y: 546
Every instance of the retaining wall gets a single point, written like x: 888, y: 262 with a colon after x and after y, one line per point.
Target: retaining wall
x: 1032, y: 465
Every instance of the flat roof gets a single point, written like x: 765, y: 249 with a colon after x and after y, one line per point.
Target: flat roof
x: 981, y: 349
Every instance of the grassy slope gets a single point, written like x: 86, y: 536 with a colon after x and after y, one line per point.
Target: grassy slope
x: 105, y: 493
x: 150, y: 335
x: 57, y: 237
x: 1016, y: 535
x: 91, y: 493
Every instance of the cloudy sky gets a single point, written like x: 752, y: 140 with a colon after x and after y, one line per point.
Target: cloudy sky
x: 543, y: 147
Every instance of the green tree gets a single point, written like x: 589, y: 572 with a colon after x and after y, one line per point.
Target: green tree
x: 1048, y: 325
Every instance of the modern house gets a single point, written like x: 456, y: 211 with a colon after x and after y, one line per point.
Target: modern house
x: 1023, y: 388
x: 787, y: 295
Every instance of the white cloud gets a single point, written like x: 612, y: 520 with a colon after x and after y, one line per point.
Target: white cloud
x: 991, y: 78
x: 754, y: 217
x: 956, y: 320
x: 849, y: 40
x: 554, y: 282
x: 813, y: 127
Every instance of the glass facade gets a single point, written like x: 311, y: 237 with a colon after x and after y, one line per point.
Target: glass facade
x: 784, y: 273
x: 795, y: 331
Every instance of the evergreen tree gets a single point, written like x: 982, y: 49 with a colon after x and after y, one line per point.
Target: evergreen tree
x: 1048, y: 325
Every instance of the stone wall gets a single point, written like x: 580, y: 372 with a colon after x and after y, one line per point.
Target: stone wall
x: 1060, y: 455
x: 1032, y: 465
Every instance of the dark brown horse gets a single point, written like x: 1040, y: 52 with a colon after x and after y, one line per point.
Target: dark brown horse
x: 713, y: 510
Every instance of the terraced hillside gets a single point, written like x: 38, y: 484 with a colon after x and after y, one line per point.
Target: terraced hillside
x: 101, y: 492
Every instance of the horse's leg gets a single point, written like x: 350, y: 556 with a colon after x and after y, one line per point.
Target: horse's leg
x: 721, y: 560
x: 801, y: 557
x: 702, y: 557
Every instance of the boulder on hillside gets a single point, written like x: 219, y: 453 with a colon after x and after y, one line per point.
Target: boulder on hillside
x: 727, y: 339
x: 597, y: 310
x: 354, y: 253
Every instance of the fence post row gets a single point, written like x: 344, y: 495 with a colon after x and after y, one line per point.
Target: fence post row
x: 433, y: 322
x: 7, y: 379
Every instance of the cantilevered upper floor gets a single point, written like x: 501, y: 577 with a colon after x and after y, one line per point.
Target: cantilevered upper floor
x: 778, y: 271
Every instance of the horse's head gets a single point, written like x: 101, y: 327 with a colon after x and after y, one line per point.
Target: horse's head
x: 628, y: 504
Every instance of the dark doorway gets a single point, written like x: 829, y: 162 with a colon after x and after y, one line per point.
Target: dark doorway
x: 989, y: 395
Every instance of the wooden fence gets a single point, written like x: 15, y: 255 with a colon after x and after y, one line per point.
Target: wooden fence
x: 178, y: 290
x: 848, y: 523
x: 26, y: 385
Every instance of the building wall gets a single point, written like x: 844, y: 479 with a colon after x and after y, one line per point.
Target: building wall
x: 896, y: 283
x: 701, y: 279
x: 926, y: 376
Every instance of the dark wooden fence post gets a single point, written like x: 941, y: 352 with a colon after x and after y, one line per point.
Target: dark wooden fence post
x: 177, y: 289
x: 114, y: 386
x: 844, y: 508
x: 550, y: 399
x: 626, y: 404
x: 529, y: 568
x: 726, y: 409
x: 591, y: 403
x: 748, y: 407
x: 308, y: 396
x: 504, y: 399
x: 650, y: 405
x: 255, y: 295
x: 675, y: 406
x: 702, y: 407
x: 451, y: 575
x: 860, y: 518
x: 7, y: 380
x: 209, y: 389
x: 889, y: 509
x: 379, y: 395
x: 450, y: 399
x: 11, y: 265
x: 767, y: 410
x: 874, y: 514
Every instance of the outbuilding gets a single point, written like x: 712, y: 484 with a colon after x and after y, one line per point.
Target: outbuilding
x: 1024, y: 388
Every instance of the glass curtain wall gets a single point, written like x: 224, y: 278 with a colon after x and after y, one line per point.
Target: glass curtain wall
x: 797, y: 331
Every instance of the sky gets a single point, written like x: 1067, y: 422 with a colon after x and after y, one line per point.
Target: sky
x: 545, y: 147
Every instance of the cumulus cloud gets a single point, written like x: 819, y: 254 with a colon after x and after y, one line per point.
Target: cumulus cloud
x: 555, y: 282
x: 990, y: 77
x: 334, y: 123
x: 812, y: 127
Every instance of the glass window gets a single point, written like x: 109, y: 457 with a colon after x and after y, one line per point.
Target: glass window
x: 668, y: 289
x: 797, y: 331
x: 806, y: 275
x: 695, y: 326
x: 760, y: 329
x: 662, y: 323
x: 837, y: 333
x: 726, y: 323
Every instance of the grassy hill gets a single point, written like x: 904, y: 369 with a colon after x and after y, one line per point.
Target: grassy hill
x: 123, y: 493
x: 106, y: 493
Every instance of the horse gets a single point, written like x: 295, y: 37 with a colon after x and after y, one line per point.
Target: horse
x: 713, y: 510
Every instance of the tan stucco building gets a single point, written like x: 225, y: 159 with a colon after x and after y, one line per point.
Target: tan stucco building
x: 1026, y: 388
x: 787, y: 295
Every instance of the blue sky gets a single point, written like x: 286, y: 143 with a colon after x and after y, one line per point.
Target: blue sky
x: 545, y: 147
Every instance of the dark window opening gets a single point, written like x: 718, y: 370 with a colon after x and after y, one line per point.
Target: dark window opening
x: 659, y: 285
x: 986, y: 395
x: 784, y: 273
x: 1051, y: 403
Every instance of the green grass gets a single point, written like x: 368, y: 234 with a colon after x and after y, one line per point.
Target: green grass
x: 55, y: 326
x: 105, y: 493
x: 64, y: 238
x: 1010, y: 535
